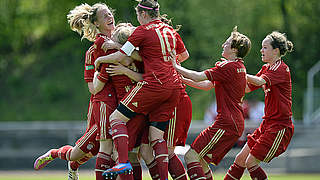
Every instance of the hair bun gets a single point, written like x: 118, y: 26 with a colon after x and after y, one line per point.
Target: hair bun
x: 289, y: 46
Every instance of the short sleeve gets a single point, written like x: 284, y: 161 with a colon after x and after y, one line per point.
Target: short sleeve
x: 103, y: 75
x: 137, y: 36
x: 273, y: 77
x: 180, y: 48
x: 220, y: 72
x: 89, y: 65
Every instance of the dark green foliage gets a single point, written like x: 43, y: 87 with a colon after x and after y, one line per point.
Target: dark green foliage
x: 41, y: 59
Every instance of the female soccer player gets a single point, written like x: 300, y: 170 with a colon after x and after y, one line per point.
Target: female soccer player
x: 155, y: 96
x: 229, y: 79
x: 96, y: 23
x: 274, y: 134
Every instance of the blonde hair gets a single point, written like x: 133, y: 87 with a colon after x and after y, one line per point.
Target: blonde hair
x: 240, y: 42
x: 81, y: 20
x: 122, y: 32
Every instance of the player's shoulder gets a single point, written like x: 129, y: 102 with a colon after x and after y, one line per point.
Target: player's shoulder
x: 89, y: 54
x: 279, y: 66
x: 100, y: 39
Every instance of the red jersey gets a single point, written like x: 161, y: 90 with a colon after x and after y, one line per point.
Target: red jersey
x: 121, y: 83
x: 277, y: 91
x: 229, y: 78
x: 107, y: 94
x: 155, y: 41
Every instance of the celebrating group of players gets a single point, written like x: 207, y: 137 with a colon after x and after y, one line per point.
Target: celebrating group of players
x: 139, y: 108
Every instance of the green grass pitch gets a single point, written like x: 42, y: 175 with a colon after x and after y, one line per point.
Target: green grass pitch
x: 87, y: 175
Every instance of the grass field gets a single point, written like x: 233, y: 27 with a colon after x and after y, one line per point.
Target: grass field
x: 87, y: 175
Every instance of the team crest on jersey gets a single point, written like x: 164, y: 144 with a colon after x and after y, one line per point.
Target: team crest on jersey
x: 135, y: 104
x: 288, y: 70
x: 90, y: 146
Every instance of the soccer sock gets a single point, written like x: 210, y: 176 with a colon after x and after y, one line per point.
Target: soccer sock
x: 126, y: 176
x: 103, y: 162
x: 153, y: 170
x: 120, y: 139
x: 137, y: 171
x: 62, y: 153
x: 195, y: 170
x: 235, y: 172
x: 257, y: 173
x: 76, y: 164
x: 176, y: 168
x: 208, y: 175
x: 161, y: 152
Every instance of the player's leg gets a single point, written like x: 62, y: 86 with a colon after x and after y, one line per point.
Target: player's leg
x: 146, y: 153
x: 206, y: 169
x: 194, y: 166
x: 236, y: 170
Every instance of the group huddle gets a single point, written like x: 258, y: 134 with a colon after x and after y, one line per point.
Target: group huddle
x: 139, y: 108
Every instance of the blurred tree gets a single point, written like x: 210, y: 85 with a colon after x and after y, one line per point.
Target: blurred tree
x: 41, y: 59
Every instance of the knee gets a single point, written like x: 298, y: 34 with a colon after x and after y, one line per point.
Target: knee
x: 191, y: 156
x: 241, y: 159
x: 146, y: 153
x: 251, y: 161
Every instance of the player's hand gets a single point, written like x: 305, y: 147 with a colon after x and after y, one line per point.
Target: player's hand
x: 109, y: 44
x: 116, y: 69
x: 97, y: 63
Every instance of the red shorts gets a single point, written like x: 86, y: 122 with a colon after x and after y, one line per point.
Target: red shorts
x: 88, y: 143
x: 157, y: 103
x: 268, y: 143
x: 177, y: 131
x: 212, y: 144
x: 136, y: 126
x: 101, y: 112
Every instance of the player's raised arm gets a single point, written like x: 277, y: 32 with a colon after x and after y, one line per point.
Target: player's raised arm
x: 111, y: 59
x: 203, y: 85
x: 187, y: 73
x: 255, y: 80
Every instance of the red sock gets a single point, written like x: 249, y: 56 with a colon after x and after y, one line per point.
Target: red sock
x: 208, y: 175
x: 153, y: 170
x: 195, y: 170
x: 76, y: 164
x: 120, y: 139
x: 235, y: 172
x: 176, y: 168
x: 103, y: 162
x: 126, y: 176
x: 161, y: 152
x: 257, y: 173
x: 137, y: 171
x: 62, y: 153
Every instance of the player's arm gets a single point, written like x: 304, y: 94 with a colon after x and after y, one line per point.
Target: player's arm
x: 91, y: 88
x: 119, y: 69
x: 247, y: 90
x: 110, y: 59
x: 203, y: 85
x: 97, y: 84
x: 183, y: 56
x: 187, y: 73
x: 255, y: 80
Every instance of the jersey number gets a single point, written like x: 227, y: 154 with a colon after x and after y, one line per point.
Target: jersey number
x: 165, y: 44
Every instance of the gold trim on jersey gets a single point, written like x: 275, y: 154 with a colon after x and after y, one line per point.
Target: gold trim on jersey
x: 172, y: 128
x: 89, y: 114
x: 275, y: 146
x: 93, y: 129
x: 103, y: 110
x: 213, y: 141
x: 133, y: 93
x: 88, y: 55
